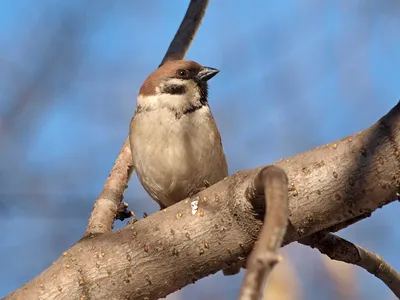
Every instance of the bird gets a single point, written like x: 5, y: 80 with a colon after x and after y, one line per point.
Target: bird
x: 175, y: 143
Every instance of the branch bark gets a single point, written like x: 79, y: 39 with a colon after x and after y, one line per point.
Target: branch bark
x: 340, y: 249
x: 272, y: 182
x: 105, y: 208
x: 166, y: 251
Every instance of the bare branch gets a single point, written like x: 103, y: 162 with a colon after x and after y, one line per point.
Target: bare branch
x: 105, y: 209
x: 340, y: 249
x: 272, y: 182
x: 187, y: 31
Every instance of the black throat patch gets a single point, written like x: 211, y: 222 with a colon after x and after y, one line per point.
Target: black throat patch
x: 203, y: 89
x: 188, y: 110
x: 192, y: 109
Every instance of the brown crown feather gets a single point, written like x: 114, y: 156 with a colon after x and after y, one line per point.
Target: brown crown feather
x: 168, y: 70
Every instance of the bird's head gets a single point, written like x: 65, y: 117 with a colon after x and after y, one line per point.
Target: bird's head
x: 177, y: 85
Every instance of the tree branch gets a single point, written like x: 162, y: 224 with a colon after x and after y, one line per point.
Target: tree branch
x: 340, y: 249
x: 169, y: 249
x: 105, y: 209
x: 272, y: 182
x: 187, y: 31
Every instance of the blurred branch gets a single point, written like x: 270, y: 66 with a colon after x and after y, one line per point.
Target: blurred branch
x: 340, y: 249
x: 342, y: 277
x: 106, y: 206
x: 187, y: 31
x: 172, y: 248
x: 283, y: 283
x: 271, y: 182
x: 58, y: 58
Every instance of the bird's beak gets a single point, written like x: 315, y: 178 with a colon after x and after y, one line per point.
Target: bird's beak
x: 206, y: 73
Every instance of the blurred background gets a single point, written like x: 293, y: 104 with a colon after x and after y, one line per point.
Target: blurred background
x: 294, y: 75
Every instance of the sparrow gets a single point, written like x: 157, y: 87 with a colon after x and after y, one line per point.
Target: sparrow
x: 175, y: 143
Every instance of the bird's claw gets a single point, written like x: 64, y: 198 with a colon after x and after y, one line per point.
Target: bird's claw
x: 198, y: 190
x: 123, y: 212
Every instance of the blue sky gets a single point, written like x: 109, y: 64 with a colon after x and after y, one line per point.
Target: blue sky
x: 294, y: 75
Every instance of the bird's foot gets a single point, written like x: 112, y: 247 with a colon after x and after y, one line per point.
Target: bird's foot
x: 198, y: 190
x: 123, y: 212
x: 234, y: 268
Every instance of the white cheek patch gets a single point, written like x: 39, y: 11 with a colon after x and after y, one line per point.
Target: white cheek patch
x: 175, y: 81
x: 172, y: 101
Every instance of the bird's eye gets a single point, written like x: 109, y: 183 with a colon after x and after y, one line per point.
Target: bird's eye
x: 182, y: 73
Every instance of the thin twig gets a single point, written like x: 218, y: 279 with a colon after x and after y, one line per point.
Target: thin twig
x: 272, y: 182
x: 105, y: 209
x: 187, y: 31
x: 340, y: 249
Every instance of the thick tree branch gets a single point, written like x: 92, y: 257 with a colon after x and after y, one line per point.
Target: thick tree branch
x: 340, y: 249
x: 272, y: 182
x: 169, y: 249
x: 106, y: 207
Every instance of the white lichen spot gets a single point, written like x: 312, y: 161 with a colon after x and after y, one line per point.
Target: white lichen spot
x: 195, y: 205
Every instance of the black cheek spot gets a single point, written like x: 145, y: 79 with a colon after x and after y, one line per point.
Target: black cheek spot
x: 175, y: 89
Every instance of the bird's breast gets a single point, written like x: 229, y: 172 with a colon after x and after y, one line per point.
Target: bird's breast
x: 173, y: 144
x: 172, y: 154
